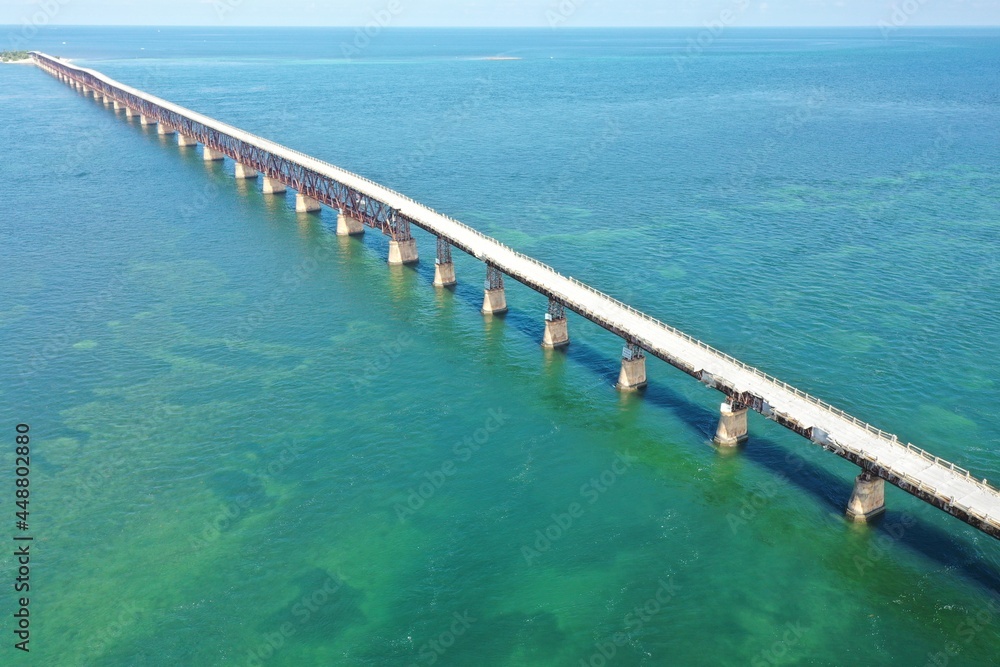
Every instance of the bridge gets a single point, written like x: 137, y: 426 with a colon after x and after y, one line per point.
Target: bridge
x: 361, y: 203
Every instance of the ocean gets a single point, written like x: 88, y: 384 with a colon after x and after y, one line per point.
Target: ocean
x: 255, y: 443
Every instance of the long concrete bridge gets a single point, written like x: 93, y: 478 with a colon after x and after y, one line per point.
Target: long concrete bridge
x: 881, y: 456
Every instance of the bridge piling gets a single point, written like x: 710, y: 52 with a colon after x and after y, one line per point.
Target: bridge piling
x: 632, y: 376
x: 494, y: 296
x: 210, y: 155
x: 184, y: 140
x: 305, y: 204
x: 273, y: 186
x: 130, y: 112
x: 868, y: 498
x: 556, y: 328
x: 732, y: 429
x: 118, y: 106
x: 164, y: 129
x: 444, y: 267
x: 348, y: 225
x: 243, y: 171
x: 403, y: 251
x: 146, y: 120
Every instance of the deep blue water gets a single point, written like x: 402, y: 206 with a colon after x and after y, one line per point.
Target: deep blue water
x: 823, y: 204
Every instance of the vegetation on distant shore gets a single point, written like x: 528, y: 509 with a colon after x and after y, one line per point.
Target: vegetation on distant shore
x: 10, y: 56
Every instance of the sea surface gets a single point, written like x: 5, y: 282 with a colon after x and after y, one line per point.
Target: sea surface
x: 255, y: 443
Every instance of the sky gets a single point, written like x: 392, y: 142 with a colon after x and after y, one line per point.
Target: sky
x: 521, y: 13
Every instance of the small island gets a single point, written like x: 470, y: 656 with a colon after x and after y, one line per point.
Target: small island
x: 14, y: 57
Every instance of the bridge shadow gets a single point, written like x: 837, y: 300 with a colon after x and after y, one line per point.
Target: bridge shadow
x: 832, y: 491
x: 829, y: 489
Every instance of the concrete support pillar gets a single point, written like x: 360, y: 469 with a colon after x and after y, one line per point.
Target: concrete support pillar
x: 403, y: 252
x: 444, y: 275
x: 118, y: 105
x: 243, y: 171
x: 348, y: 225
x: 494, y: 296
x: 107, y: 100
x: 556, y: 328
x: 732, y: 429
x: 184, y: 140
x: 146, y: 120
x: 305, y: 204
x: 162, y: 128
x: 632, y: 376
x: 444, y: 267
x: 273, y: 186
x: 868, y: 499
x: 130, y: 113
x: 210, y: 155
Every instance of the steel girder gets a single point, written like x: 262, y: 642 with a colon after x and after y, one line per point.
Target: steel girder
x: 555, y: 311
x: 494, y: 278
x: 443, y: 251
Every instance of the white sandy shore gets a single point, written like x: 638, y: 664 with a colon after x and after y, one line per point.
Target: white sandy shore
x: 26, y: 61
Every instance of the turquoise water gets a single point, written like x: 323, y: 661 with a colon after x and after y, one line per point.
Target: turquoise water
x: 256, y: 443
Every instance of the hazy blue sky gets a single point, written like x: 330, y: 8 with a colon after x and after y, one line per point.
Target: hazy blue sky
x: 565, y: 13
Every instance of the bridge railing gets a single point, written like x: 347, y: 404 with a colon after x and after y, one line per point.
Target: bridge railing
x: 890, y: 438
x: 928, y: 489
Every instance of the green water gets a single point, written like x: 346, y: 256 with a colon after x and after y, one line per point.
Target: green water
x: 256, y: 443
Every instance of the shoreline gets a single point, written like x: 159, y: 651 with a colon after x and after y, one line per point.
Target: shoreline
x: 26, y: 61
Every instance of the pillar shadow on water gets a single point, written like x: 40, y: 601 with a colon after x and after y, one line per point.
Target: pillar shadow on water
x: 831, y: 490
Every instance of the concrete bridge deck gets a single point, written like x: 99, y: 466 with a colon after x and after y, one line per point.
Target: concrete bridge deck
x: 880, y: 455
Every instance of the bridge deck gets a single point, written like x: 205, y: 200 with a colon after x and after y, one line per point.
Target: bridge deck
x: 934, y: 480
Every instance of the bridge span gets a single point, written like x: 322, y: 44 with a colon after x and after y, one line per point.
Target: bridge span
x: 361, y: 202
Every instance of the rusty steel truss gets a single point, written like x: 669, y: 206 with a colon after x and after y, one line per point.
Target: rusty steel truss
x: 320, y: 187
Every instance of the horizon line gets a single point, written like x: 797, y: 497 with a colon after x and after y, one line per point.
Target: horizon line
x: 500, y: 27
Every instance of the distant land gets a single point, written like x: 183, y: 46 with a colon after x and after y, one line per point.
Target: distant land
x: 14, y: 57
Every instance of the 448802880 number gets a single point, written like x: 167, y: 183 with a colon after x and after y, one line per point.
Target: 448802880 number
x: 22, y: 472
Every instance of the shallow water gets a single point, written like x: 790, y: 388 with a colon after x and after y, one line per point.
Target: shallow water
x: 245, y: 426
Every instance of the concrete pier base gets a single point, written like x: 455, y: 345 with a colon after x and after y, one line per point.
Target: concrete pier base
x: 118, y: 105
x: 165, y: 129
x: 403, y: 252
x: 494, y: 301
x: 273, y: 186
x: 632, y: 376
x: 146, y: 120
x: 306, y: 204
x: 444, y: 274
x: 348, y: 225
x: 732, y: 429
x: 556, y: 333
x: 184, y: 140
x: 210, y: 155
x: 868, y: 500
x: 130, y: 113
x: 107, y: 100
x: 243, y: 171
